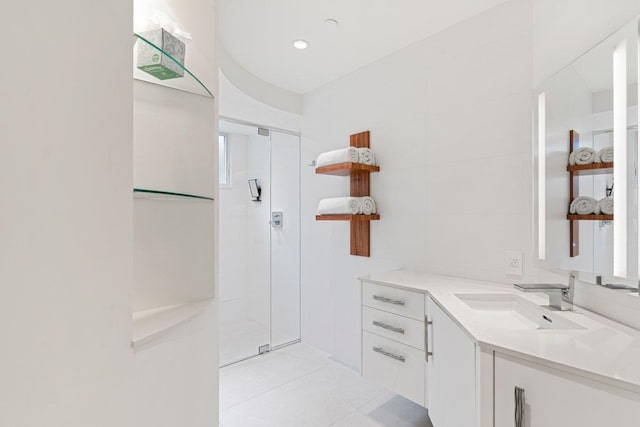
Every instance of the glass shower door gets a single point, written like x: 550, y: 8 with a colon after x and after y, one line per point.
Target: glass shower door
x: 244, y: 245
x: 285, y: 238
x: 259, y: 277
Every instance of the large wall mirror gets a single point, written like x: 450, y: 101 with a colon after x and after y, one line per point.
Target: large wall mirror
x: 586, y: 164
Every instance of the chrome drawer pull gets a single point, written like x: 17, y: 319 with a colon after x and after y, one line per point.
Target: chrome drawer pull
x: 427, y: 353
x: 520, y: 402
x: 388, y: 300
x: 388, y: 327
x: 383, y: 352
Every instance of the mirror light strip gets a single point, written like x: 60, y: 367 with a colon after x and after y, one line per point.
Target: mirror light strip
x: 620, y: 159
x: 542, y: 183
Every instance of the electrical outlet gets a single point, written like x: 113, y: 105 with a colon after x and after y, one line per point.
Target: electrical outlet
x: 513, y: 263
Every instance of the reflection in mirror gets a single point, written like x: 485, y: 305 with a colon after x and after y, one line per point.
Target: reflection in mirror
x: 587, y: 157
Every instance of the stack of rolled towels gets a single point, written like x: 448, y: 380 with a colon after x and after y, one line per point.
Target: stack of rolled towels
x: 347, y: 155
x: 347, y: 206
x: 587, y: 156
x: 584, y: 205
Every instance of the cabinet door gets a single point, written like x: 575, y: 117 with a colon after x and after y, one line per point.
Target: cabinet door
x: 451, y: 376
x: 553, y: 398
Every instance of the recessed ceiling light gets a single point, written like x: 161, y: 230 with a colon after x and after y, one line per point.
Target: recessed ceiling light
x: 332, y: 23
x: 300, y: 44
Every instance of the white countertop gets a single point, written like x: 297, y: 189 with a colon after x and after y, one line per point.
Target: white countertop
x: 604, y: 350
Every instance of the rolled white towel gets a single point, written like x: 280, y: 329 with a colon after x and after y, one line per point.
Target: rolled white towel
x: 604, y: 156
x: 606, y: 205
x: 343, y: 155
x: 584, y: 205
x: 583, y: 156
x: 572, y: 158
x: 340, y: 206
x: 368, y: 206
x: 366, y: 156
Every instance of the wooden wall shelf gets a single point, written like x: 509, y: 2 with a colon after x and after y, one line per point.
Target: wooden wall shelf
x: 346, y: 169
x: 360, y: 186
x: 592, y: 169
x: 573, y: 217
x: 575, y: 171
x: 347, y: 217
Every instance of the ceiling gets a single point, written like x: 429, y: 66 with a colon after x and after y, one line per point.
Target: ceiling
x: 258, y: 34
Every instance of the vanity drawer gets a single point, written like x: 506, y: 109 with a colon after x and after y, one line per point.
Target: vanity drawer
x: 396, y: 366
x: 393, y: 300
x: 399, y: 328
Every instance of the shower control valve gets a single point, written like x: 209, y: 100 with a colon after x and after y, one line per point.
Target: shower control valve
x: 276, y: 219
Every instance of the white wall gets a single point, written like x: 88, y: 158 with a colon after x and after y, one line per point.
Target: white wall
x: 175, y: 383
x: 450, y: 120
x: 65, y: 221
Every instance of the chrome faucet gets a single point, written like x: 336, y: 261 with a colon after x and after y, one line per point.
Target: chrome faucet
x: 557, y: 293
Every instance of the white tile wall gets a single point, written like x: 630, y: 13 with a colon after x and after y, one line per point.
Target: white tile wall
x: 450, y: 123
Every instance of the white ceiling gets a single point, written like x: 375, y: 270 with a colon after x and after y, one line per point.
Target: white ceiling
x: 258, y: 34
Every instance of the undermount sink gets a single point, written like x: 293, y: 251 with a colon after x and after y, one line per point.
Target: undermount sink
x: 508, y: 311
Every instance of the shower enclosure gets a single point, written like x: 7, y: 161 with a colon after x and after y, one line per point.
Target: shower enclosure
x: 259, y: 281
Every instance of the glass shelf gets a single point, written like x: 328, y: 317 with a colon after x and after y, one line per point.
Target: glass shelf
x: 141, y: 193
x: 188, y: 83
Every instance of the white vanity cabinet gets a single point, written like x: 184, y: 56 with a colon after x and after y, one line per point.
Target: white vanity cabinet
x: 553, y: 398
x: 399, y: 326
x: 420, y: 341
x: 393, y: 339
x: 451, y: 371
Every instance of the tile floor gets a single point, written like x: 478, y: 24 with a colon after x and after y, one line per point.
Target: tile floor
x: 299, y: 386
x: 239, y: 340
